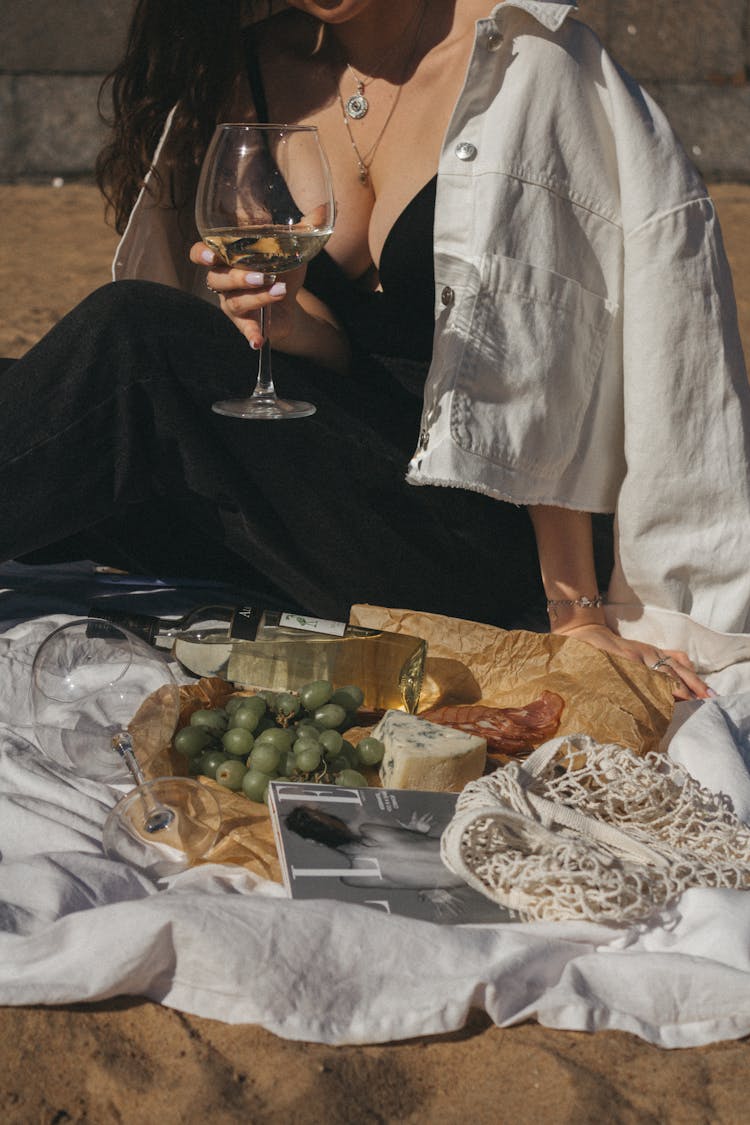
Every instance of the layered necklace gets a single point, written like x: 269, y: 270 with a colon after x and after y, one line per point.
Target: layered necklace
x: 354, y: 108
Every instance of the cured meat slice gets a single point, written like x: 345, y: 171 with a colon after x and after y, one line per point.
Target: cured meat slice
x: 507, y: 730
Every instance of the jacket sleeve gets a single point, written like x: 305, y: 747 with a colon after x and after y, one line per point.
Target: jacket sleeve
x: 684, y: 505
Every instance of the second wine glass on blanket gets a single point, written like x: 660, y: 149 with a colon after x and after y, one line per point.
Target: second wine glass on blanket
x: 105, y: 703
x: 265, y: 204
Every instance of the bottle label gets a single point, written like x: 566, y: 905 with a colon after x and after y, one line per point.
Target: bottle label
x: 245, y: 623
x: 312, y: 624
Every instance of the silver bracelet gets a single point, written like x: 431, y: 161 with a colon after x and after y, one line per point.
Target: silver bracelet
x: 553, y: 604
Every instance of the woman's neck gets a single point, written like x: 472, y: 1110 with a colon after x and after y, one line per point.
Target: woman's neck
x: 374, y: 43
x: 384, y: 32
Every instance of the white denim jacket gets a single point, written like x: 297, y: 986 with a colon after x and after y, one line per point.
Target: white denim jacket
x: 586, y: 349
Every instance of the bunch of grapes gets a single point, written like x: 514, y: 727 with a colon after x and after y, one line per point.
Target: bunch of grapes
x: 291, y: 737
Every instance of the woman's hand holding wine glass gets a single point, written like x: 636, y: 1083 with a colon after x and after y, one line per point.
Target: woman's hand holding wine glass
x: 264, y: 207
x: 242, y: 293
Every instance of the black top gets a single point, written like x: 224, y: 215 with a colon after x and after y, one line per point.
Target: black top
x: 396, y: 321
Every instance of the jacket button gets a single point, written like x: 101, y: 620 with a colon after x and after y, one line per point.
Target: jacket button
x: 494, y: 41
x: 447, y: 297
x: 465, y: 150
x: 424, y: 439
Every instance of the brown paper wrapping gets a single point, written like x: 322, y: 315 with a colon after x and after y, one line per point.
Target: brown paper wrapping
x: 607, y: 697
x: 611, y: 699
x: 245, y: 834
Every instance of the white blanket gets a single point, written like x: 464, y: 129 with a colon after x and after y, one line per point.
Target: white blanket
x: 217, y: 942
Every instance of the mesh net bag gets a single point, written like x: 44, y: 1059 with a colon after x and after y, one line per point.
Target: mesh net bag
x: 582, y: 830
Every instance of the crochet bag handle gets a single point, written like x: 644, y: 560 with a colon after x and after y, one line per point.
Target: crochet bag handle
x: 532, y: 819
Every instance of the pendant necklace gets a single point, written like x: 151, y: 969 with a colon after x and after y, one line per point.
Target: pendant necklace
x: 357, y: 104
x: 359, y: 109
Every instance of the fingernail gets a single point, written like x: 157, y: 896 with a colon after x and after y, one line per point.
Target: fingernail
x: 208, y: 256
x: 254, y: 278
x: 277, y: 289
x: 711, y: 693
x: 255, y: 345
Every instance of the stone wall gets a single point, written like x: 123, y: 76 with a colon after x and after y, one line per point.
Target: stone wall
x: 692, y: 55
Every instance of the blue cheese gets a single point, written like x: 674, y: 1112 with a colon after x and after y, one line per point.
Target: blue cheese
x: 423, y: 755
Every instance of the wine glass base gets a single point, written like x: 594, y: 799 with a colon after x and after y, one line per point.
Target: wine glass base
x: 264, y: 409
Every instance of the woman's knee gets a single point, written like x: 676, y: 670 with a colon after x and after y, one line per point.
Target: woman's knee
x: 131, y: 305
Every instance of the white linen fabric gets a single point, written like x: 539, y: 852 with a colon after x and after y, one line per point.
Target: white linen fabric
x: 77, y: 926
x: 586, y: 350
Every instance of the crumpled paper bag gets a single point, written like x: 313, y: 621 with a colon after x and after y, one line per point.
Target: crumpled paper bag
x: 245, y: 833
x: 607, y: 697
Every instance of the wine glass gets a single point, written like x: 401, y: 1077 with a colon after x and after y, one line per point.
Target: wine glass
x: 103, y: 702
x: 163, y: 825
x: 265, y: 203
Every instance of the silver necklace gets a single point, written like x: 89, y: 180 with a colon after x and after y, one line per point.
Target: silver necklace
x: 357, y: 104
x: 365, y: 160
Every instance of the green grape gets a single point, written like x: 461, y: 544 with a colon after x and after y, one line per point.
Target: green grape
x: 287, y: 704
x: 264, y: 757
x: 339, y: 763
x: 287, y: 764
x: 275, y: 736
x: 233, y: 703
x: 254, y: 703
x: 308, y: 760
x: 210, y: 762
x: 350, y: 697
x: 245, y: 718
x: 255, y: 784
x: 351, y: 778
x: 331, y: 741
x: 214, y: 720
x: 237, y: 741
x: 307, y: 728
x: 330, y: 716
x: 306, y: 744
x: 266, y: 722
x: 315, y: 694
x: 370, y: 751
x: 230, y: 774
x: 269, y: 698
x: 193, y: 741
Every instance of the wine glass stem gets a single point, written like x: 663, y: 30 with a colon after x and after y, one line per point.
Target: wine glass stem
x: 264, y: 388
x: 123, y: 744
x: 155, y: 815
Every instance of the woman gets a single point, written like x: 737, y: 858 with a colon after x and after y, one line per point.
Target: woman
x: 584, y: 330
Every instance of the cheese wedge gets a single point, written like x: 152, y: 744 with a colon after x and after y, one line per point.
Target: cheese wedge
x: 423, y: 755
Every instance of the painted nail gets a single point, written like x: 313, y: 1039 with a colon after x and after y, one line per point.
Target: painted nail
x: 277, y: 289
x: 208, y: 256
x: 711, y: 693
x: 255, y: 345
x: 254, y: 278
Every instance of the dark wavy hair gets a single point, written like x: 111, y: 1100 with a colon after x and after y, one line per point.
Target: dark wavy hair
x: 186, y: 53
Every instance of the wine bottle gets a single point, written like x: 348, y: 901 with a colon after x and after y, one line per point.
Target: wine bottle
x: 276, y: 650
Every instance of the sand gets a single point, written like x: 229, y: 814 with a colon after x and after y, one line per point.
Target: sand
x: 131, y: 1061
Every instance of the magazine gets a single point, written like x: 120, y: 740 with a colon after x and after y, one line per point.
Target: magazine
x: 376, y: 847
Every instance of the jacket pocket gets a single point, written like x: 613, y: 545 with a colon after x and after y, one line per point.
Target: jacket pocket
x: 532, y: 346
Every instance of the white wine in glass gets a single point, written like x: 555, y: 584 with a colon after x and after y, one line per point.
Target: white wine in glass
x: 265, y: 203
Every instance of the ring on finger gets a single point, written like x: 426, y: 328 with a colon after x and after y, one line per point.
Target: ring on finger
x: 661, y: 661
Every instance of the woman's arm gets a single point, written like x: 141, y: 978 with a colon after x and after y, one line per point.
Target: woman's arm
x: 301, y: 324
x: 566, y: 558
